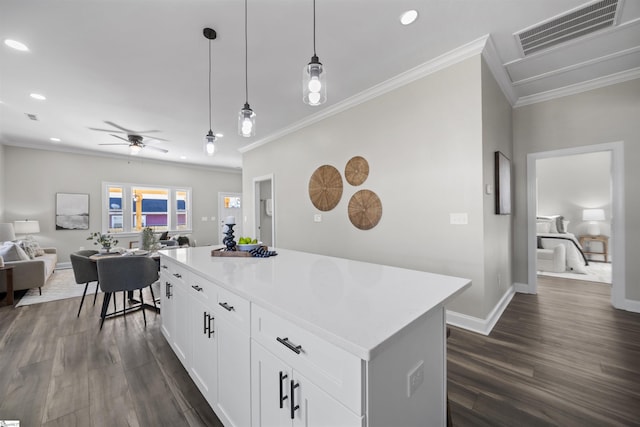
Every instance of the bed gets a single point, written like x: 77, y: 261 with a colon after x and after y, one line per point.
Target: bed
x: 551, y: 233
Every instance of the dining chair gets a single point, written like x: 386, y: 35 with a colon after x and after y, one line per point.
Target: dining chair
x: 125, y: 273
x: 85, y: 271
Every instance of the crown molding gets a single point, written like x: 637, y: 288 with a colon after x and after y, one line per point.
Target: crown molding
x: 585, y: 86
x: 459, y: 54
x: 491, y: 57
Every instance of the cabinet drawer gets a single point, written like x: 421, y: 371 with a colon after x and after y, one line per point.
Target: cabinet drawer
x: 233, y: 309
x: 174, y: 271
x: 336, y: 371
x: 203, y: 290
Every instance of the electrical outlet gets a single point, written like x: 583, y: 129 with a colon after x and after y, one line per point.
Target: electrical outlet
x: 415, y: 378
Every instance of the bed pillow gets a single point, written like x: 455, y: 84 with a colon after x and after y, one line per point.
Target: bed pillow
x: 556, y: 222
x: 10, y: 251
x: 543, y: 226
x: 565, y: 226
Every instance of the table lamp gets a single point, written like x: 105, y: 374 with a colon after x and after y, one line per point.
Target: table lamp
x: 593, y: 216
x: 7, y: 233
x: 27, y: 227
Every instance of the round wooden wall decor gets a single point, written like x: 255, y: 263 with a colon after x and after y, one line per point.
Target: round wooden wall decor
x: 356, y: 171
x: 325, y: 187
x: 365, y: 209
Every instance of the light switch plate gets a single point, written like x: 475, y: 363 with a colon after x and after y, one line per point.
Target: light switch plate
x: 458, y: 218
x: 317, y: 218
x: 415, y: 378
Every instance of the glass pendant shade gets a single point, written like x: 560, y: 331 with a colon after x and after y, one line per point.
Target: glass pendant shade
x: 246, y: 121
x: 314, y: 83
x: 209, y: 143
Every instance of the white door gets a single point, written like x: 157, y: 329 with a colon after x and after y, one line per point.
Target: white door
x: 270, y: 384
x: 230, y: 204
x: 264, y: 209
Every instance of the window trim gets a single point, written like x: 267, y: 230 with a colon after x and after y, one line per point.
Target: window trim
x: 127, y: 208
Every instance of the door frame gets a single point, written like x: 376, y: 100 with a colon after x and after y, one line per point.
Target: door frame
x: 618, y: 280
x: 256, y: 206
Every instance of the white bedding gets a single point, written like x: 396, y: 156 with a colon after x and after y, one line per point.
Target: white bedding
x: 575, y: 258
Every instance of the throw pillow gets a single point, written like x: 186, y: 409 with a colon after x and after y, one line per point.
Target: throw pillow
x: 543, y: 227
x: 10, y: 251
x: 27, y: 248
x: 164, y: 236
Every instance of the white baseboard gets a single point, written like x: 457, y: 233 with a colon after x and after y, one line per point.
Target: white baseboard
x: 632, y: 305
x: 63, y: 265
x: 523, y: 288
x: 481, y: 326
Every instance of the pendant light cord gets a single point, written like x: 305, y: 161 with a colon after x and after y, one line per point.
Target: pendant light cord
x: 209, y: 84
x: 314, y: 28
x: 246, y: 57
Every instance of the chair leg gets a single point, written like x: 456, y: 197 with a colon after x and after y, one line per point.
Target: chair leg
x: 124, y: 305
x: 86, y: 285
x: 144, y: 315
x: 105, y: 306
x: 115, y: 309
x: 153, y: 297
x: 40, y: 290
x: 96, y: 294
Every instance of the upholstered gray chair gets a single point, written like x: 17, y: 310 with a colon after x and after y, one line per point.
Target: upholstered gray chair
x: 125, y: 273
x: 85, y: 271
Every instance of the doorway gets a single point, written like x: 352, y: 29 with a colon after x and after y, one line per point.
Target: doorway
x: 229, y: 205
x: 264, y: 209
x: 617, y: 213
x: 570, y: 189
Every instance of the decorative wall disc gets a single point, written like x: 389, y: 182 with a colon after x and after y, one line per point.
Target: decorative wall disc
x: 357, y: 170
x: 365, y: 209
x: 325, y: 187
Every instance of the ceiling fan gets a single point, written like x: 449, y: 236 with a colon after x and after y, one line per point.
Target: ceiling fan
x: 134, y: 139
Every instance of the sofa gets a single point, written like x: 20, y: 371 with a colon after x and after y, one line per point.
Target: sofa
x: 30, y: 272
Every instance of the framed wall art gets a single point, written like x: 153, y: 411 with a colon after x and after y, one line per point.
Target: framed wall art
x: 502, y: 184
x: 72, y: 211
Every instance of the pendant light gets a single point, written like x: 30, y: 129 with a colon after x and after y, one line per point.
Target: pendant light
x: 314, y: 85
x: 210, y: 138
x: 246, y: 117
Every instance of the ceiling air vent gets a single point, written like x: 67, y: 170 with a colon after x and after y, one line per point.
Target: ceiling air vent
x: 574, y: 24
x: 31, y: 116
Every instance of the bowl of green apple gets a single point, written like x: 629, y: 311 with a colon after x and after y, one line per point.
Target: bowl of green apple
x: 247, y: 244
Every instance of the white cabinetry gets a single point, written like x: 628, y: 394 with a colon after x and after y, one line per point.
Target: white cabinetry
x: 233, y: 314
x: 167, y: 304
x: 282, y: 396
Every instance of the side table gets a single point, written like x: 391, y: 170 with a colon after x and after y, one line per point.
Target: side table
x: 8, y: 274
x: 589, y: 239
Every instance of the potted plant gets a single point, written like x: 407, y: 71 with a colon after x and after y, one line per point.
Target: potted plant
x: 105, y: 240
x: 149, y: 240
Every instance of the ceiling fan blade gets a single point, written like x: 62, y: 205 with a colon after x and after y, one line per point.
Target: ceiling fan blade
x: 129, y: 130
x: 156, y: 148
x: 107, y: 130
x: 115, y: 144
x: 118, y: 126
x: 153, y: 138
x: 119, y: 137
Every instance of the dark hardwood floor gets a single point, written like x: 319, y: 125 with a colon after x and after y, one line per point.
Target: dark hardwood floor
x: 563, y: 357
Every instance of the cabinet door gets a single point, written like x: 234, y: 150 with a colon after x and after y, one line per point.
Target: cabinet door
x: 270, y: 385
x: 315, y: 408
x: 167, y: 308
x: 204, y: 351
x: 181, y: 333
x: 234, y: 369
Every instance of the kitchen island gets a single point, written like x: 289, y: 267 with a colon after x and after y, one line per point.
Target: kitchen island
x: 304, y: 339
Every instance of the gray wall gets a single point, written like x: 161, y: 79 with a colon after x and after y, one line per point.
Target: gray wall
x: 424, y: 146
x: 33, y: 177
x: 608, y: 114
x: 2, y: 183
x: 496, y: 136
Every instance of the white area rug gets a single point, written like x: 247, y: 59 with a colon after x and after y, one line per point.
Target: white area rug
x: 596, y: 272
x: 61, y: 285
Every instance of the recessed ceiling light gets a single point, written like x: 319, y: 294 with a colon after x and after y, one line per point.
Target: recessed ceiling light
x: 38, y: 96
x: 408, y: 17
x: 183, y: 157
x: 55, y: 139
x: 16, y: 45
x: 219, y: 135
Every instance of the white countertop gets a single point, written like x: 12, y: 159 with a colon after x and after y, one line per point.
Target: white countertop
x: 354, y: 305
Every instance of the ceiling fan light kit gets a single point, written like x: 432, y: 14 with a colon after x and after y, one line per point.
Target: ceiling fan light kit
x: 314, y: 74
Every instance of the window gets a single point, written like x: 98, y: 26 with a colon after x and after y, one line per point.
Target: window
x: 128, y: 208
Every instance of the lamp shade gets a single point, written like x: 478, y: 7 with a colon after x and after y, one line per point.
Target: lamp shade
x: 6, y: 232
x: 27, y: 226
x: 593, y: 215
